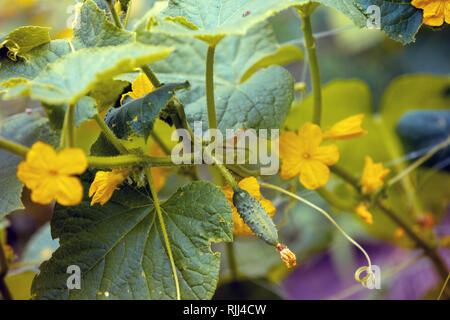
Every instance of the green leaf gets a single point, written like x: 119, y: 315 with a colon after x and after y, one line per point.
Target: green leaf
x: 139, y: 115
x: 24, y: 129
x: 99, y: 240
x: 75, y: 74
x: 23, y: 39
x: 93, y: 29
x: 38, y: 59
x: 399, y: 19
x: 211, y: 21
x: 85, y: 110
x: 107, y: 93
x: 343, y: 98
x: 246, y: 96
x: 411, y: 92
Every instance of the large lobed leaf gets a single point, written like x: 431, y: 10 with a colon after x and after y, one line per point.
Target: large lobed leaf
x: 399, y: 19
x: 120, y: 250
x: 76, y: 74
x: 246, y: 95
x: 24, y: 129
x: 211, y: 21
x: 94, y: 29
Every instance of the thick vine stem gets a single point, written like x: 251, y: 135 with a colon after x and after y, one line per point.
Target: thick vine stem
x: 224, y: 172
x: 14, y: 148
x: 114, y: 14
x: 310, y: 45
x: 428, y: 250
x: 109, y: 134
x: 163, y: 228
x: 131, y: 160
x: 210, y: 103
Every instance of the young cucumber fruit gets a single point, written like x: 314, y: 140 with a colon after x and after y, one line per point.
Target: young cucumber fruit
x: 255, y: 216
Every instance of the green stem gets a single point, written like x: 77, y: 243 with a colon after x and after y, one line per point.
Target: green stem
x: 130, y: 160
x: 232, y: 264
x: 68, y: 130
x: 151, y: 76
x: 14, y: 148
x: 323, y: 212
x: 185, y: 124
x: 225, y: 173
x: 163, y: 228
x: 394, y: 149
x: 125, y: 22
x: 3, y: 271
x: 418, y: 162
x: 114, y: 15
x: 110, y: 135
x: 241, y: 171
x: 212, y: 121
x: 345, y: 175
x: 428, y: 250
x: 310, y: 45
x: 443, y: 287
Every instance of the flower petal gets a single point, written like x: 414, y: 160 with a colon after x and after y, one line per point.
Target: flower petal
x: 268, y: 206
x: 329, y: 155
x: 310, y: 136
x: 314, y: 174
x: 42, y: 156
x: 71, y: 161
x: 31, y: 176
x: 290, y: 168
x: 345, y: 129
x: 69, y: 190
x: 290, y: 145
x: 251, y: 185
x: 141, y: 86
x: 46, y: 191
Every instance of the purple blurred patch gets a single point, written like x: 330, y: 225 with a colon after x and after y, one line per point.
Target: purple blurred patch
x: 318, y: 278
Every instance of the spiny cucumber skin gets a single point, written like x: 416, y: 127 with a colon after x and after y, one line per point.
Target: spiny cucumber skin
x: 255, y: 216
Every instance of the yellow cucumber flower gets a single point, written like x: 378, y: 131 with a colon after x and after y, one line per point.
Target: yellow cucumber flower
x: 345, y: 129
x: 435, y: 12
x: 139, y: 88
x: 49, y: 175
x: 104, y: 185
x: 287, y: 255
x: 363, y: 213
x: 250, y: 185
x: 373, y: 175
x: 302, y: 155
